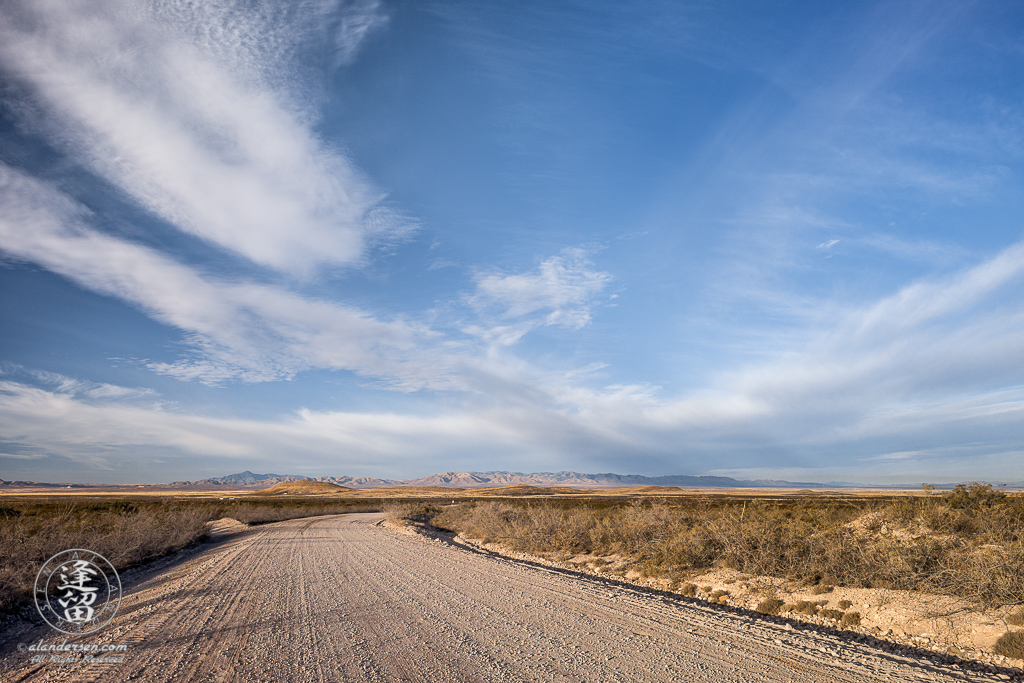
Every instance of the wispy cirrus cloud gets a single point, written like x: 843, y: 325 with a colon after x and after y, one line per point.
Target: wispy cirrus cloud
x: 924, y: 368
x: 940, y: 351
x: 561, y: 291
x: 201, y: 114
x: 69, y: 386
x: 194, y: 127
x: 238, y: 329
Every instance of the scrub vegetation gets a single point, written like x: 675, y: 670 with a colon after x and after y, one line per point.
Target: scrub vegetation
x: 127, y: 531
x: 967, y: 543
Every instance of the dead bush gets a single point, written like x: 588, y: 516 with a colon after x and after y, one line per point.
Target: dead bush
x: 831, y: 614
x: 125, y: 533
x: 1011, y: 644
x: 850, y: 619
x: 1016, y: 618
x: 128, y: 532
x: 969, y: 545
x: 399, y: 513
x: 845, y: 604
x: 688, y: 589
x: 715, y: 595
x: 769, y: 606
x: 806, y: 607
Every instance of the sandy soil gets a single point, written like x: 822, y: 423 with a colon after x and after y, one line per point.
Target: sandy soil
x: 342, y: 598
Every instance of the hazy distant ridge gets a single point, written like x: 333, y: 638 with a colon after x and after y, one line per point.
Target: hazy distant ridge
x: 475, y: 480
x: 471, y: 480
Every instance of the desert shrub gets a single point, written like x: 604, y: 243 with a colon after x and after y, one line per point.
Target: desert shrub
x: 769, y: 606
x: 787, y: 607
x: 398, y: 513
x: 715, y: 595
x: 688, y: 589
x: 845, y: 604
x: 1016, y: 618
x: 127, y: 535
x: 820, y: 589
x: 705, y: 589
x: 974, y: 495
x: 126, y: 532
x: 806, y: 607
x: 850, y: 619
x: 1011, y: 644
x: 267, y: 511
x: 944, y: 550
x: 989, y: 576
x: 831, y: 614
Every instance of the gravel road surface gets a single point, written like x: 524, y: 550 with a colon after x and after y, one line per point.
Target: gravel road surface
x: 333, y: 599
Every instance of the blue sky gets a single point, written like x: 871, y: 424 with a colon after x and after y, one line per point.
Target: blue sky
x: 395, y: 238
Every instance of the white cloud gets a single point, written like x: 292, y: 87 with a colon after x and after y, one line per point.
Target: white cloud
x: 937, y: 352
x: 171, y: 118
x: 69, y: 386
x: 240, y: 330
x: 560, y: 292
x: 932, y: 365
x: 58, y: 421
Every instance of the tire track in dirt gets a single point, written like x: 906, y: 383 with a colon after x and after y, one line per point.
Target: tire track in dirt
x: 339, y: 599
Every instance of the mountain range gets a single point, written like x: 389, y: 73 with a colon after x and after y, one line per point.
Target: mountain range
x: 471, y: 480
x: 474, y: 480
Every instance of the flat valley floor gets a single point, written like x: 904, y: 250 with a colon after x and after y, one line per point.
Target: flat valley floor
x: 341, y: 598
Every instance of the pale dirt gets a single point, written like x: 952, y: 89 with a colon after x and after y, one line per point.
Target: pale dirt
x: 341, y: 598
x: 937, y: 623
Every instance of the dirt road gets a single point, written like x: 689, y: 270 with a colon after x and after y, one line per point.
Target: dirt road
x: 334, y: 599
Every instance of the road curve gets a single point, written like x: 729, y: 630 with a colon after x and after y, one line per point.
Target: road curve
x: 339, y: 598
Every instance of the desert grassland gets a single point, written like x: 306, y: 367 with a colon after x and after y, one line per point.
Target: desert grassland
x: 967, y: 544
x: 129, y: 530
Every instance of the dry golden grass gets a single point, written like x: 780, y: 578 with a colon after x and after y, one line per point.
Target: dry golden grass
x: 302, y: 488
x: 769, y: 606
x: 968, y: 543
x: 524, y: 490
x: 1011, y: 644
x: 127, y: 531
x: 807, y: 607
x: 404, y: 514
